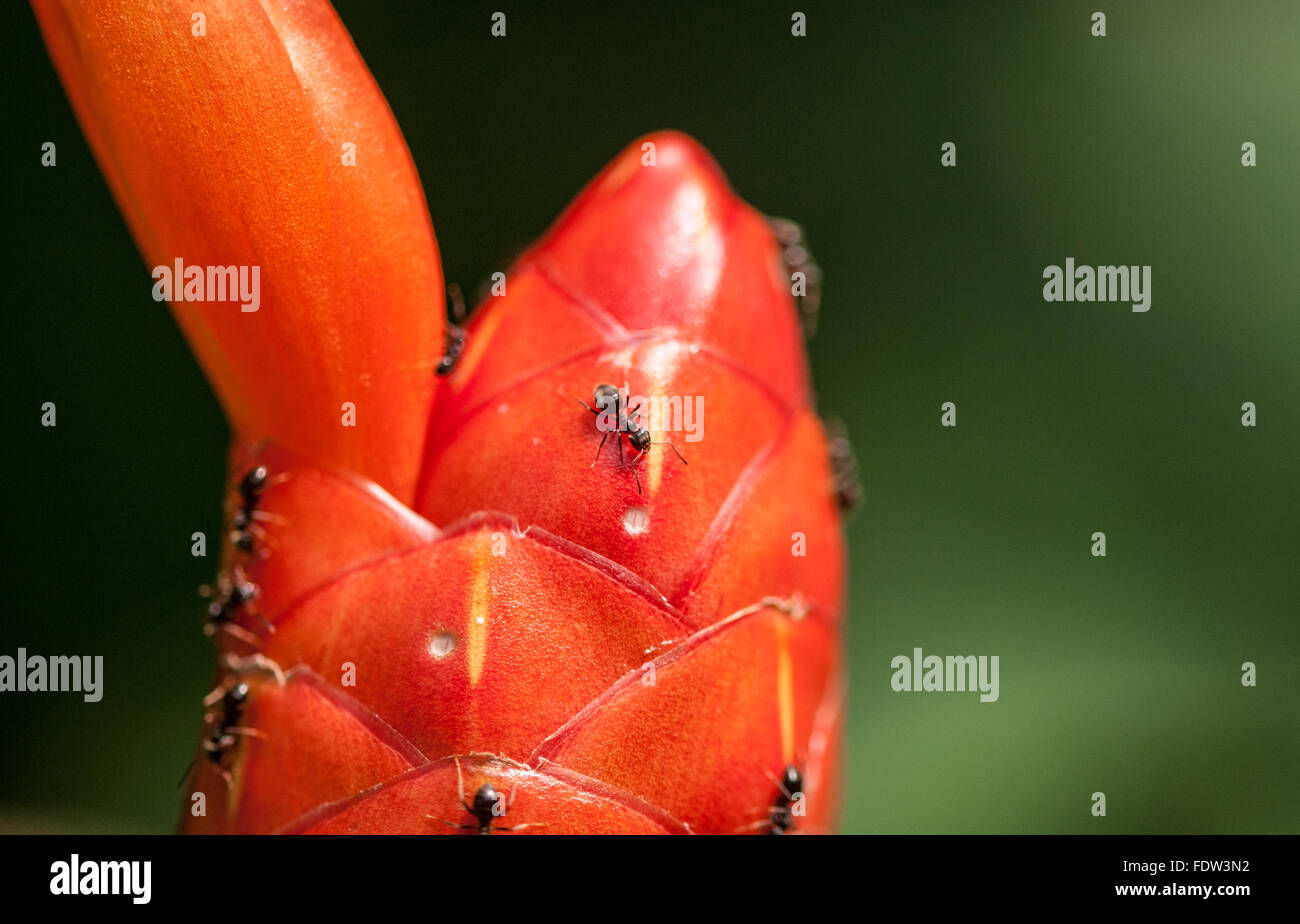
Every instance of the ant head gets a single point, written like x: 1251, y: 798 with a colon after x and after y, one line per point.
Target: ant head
x: 236, y: 696
x: 485, y: 802
x: 253, y: 482
x: 792, y: 779
x: 605, y: 395
x: 639, y: 437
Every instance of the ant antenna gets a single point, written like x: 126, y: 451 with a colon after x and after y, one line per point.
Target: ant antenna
x: 669, y: 444
x: 457, y: 302
x: 186, y: 774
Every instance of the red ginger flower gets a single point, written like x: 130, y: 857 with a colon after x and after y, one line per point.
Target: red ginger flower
x: 446, y: 618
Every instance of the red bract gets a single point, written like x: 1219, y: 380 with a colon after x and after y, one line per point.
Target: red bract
x: 227, y: 149
x: 541, y: 645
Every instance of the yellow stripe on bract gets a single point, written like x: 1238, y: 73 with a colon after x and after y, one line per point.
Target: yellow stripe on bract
x: 655, y: 455
x: 656, y: 364
x: 477, y: 630
x: 477, y: 345
x: 785, y: 688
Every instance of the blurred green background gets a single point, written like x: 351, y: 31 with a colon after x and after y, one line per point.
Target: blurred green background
x: 1119, y: 674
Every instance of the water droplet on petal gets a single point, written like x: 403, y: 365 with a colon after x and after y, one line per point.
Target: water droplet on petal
x: 636, y: 521
x: 442, y: 644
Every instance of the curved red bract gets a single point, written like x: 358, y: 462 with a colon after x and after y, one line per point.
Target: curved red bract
x: 612, y: 652
x: 227, y: 149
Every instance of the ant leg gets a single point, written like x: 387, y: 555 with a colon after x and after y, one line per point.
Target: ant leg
x: 779, y: 785
x: 754, y: 826
x: 632, y: 465
x: 242, y: 634
x: 266, y: 516
x: 452, y: 824
x: 599, y: 448
x: 218, y: 691
x: 270, y: 629
x: 586, y: 405
x: 460, y: 786
x: 669, y: 444
x: 277, y: 479
x: 248, y: 732
x: 257, y: 531
x: 256, y: 663
x: 186, y: 775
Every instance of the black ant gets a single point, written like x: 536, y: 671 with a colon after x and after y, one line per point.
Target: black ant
x: 797, y: 258
x: 229, y: 598
x: 454, y: 338
x: 780, y: 814
x: 790, y: 788
x: 487, y: 807
x: 252, y: 484
x: 224, y: 705
x: 844, y: 467
x: 609, y: 402
x: 250, y: 490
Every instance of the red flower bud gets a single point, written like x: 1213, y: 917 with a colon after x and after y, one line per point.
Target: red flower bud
x: 449, y: 618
